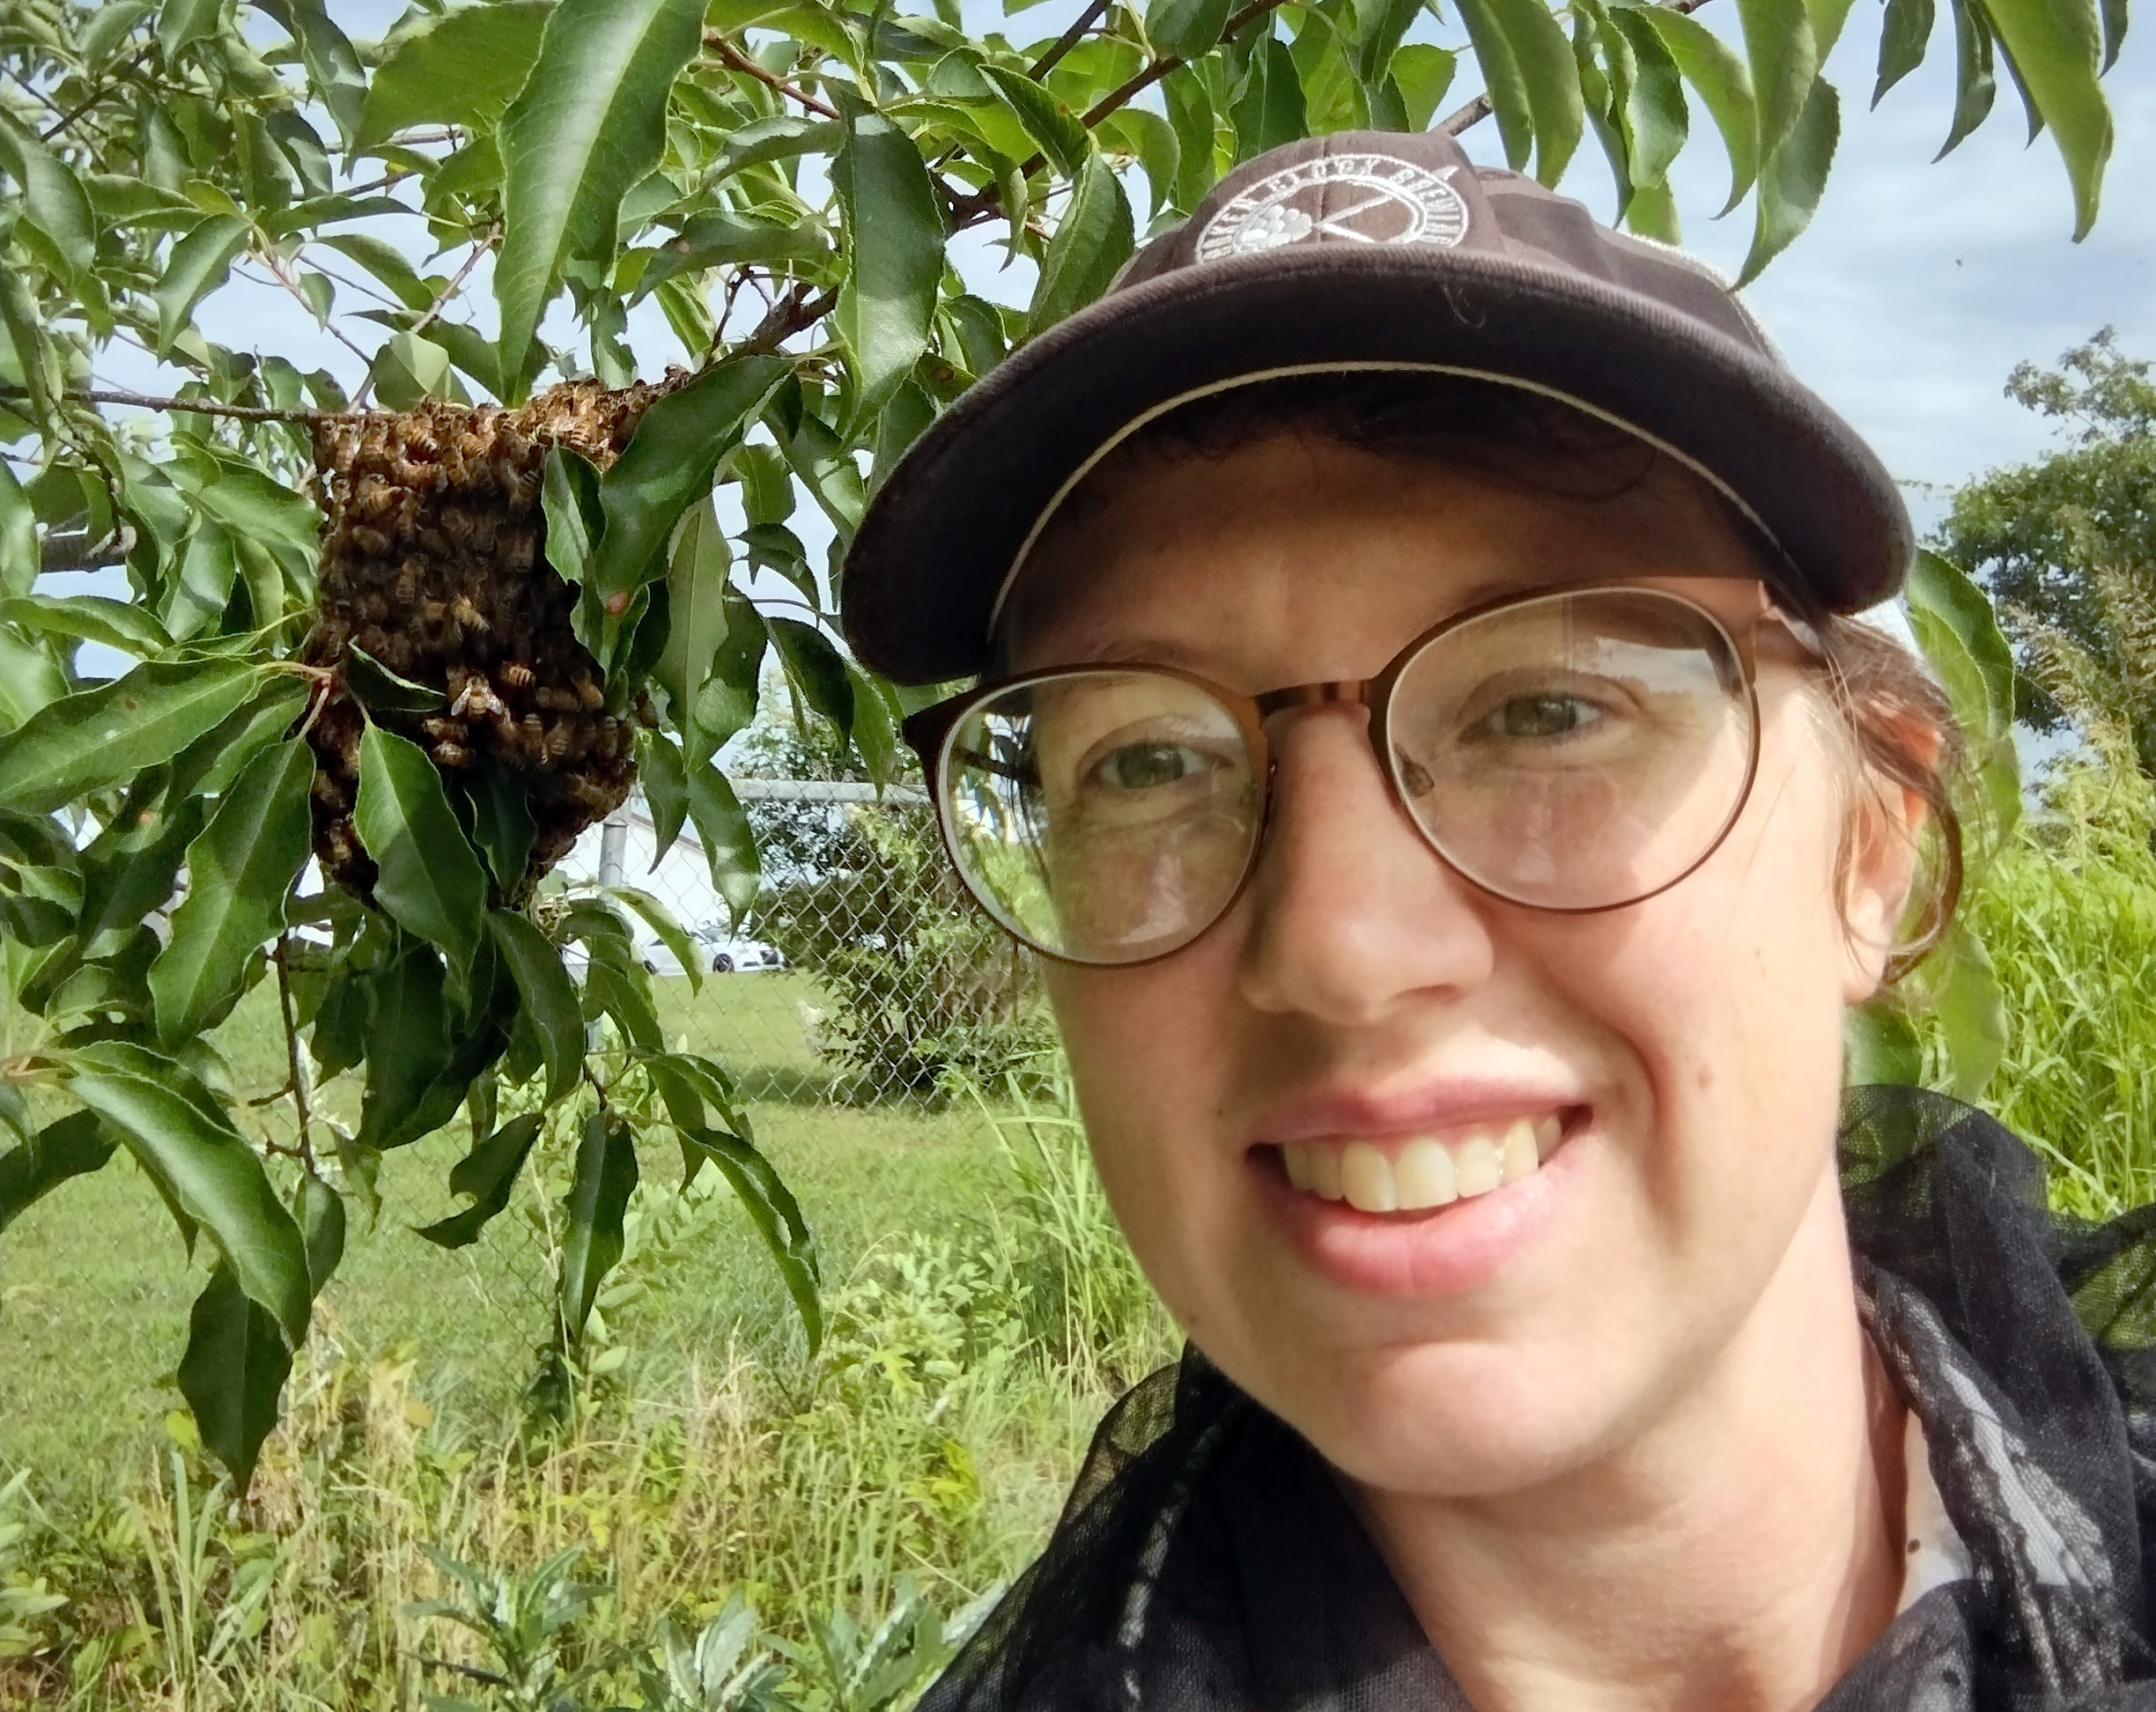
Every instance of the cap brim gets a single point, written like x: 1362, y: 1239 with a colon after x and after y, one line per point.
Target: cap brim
x: 940, y: 539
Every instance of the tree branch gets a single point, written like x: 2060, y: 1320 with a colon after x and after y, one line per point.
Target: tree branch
x: 795, y: 311
x: 1068, y: 40
x: 740, y: 61
x: 292, y: 1052
x: 200, y: 406
x: 442, y: 300
x: 97, y: 94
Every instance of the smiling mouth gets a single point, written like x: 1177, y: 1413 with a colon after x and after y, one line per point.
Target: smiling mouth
x: 1415, y: 1173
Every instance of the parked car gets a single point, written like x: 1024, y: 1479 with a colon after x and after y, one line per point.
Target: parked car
x: 729, y: 954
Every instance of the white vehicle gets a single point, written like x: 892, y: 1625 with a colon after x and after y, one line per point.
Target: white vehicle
x: 728, y: 954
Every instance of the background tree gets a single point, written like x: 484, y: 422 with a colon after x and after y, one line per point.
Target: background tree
x: 429, y: 639
x: 2068, y: 541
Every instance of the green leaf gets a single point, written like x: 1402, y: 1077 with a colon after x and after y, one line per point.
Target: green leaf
x: 18, y: 538
x: 569, y: 500
x: 1270, y: 111
x: 1533, y: 80
x: 783, y: 136
x: 239, y: 871
x: 502, y: 824
x: 894, y: 230
x: 550, y: 998
x: 460, y: 68
x: 98, y: 737
x: 1184, y: 28
x: 431, y: 880
x: 1976, y: 85
x: 1793, y: 180
x: 187, y: 1145
x: 55, y: 205
x: 1379, y: 27
x: 1423, y: 74
x: 671, y: 933
x: 591, y: 1241
x: 93, y: 617
x: 407, y: 368
x: 1055, y: 129
x: 1971, y: 1011
x: 2114, y: 29
x: 198, y: 265
x: 381, y: 690
x: 617, y: 985
x: 729, y: 841
x: 1724, y: 85
x: 384, y: 260
x: 1656, y: 123
x: 332, y: 65
x: 699, y: 574
x: 1881, y: 1046
x: 1094, y: 239
x: 777, y: 1216
x: 183, y: 23
x: 815, y: 667
x: 488, y: 1173
x: 669, y: 464
x: 2056, y: 48
x: 664, y: 778
x: 874, y: 730
x: 408, y: 1048
x: 1903, y: 38
x: 320, y: 1216
x: 233, y: 1373
x: 1783, y: 55
x: 1959, y: 632
x: 587, y: 124
x: 70, y: 1146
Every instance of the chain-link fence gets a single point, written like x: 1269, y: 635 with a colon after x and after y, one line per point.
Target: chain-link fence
x: 854, y: 1005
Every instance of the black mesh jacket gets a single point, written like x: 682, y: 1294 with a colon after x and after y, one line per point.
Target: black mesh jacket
x: 1206, y: 1561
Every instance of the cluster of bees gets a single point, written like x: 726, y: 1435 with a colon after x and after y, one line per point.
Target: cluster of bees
x: 433, y: 562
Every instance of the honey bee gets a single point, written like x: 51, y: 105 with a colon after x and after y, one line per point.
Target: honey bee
x: 588, y: 694
x: 516, y: 674
x: 451, y: 755
x: 371, y: 541
x: 559, y: 738
x: 442, y: 730
x: 466, y: 614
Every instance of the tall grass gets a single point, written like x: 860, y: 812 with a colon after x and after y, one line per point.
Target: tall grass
x: 386, y: 1554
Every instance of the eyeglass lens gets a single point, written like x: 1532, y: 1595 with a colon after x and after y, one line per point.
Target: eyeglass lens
x: 1574, y: 751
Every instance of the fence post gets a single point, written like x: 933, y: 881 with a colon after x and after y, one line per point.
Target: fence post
x: 613, y: 845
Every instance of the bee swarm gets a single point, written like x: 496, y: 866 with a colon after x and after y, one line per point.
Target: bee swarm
x: 433, y: 562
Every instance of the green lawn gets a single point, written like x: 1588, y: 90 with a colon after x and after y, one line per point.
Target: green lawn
x: 94, y: 1286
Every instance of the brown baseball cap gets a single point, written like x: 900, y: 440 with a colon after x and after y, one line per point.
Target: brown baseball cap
x: 1366, y: 251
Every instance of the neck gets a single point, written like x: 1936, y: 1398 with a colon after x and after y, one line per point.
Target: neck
x: 1739, y: 1552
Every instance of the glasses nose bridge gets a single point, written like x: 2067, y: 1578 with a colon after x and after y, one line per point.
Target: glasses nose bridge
x: 1369, y: 694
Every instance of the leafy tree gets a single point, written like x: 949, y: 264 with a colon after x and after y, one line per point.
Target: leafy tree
x: 428, y: 638
x: 2068, y: 541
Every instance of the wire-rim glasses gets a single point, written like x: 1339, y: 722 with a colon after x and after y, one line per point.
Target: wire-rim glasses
x: 1571, y: 749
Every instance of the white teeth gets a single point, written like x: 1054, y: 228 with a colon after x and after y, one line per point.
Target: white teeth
x: 1518, y: 1158
x: 1424, y: 1172
x: 1366, y: 1178
x: 1546, y: 1131
x: 1476, y: 1168
x: 1422, y: 1175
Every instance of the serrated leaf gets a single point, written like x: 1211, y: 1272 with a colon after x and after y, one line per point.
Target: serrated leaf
x: 429, y: 878
x: 320, y: 1213
x: 1957, y: 629
x: 408, y: 1047
x: 118, y: 624
x: 70, y: 1146
x: 1881, y: 1046
x: 548, y: 995
x: 462, y: 68
x: 1976, y: 84
x: 332, y: 66
x: 2055, y: 48
x: 198, y: 266
x: 381, y: 690
x: 569, y: 501
x: 1095, y: 237
x: 895, y: 235
x: 54, y: 204
x: 729, y: 841
x: 1056, y: 131
x: 384, y: 261
x: 233, y: 1373
x: 1532, y: 78
x: 1423, y: 73
x: 1783, y: 55
x: 669, y: 464
x: 488, y: 1174
x: 1971, y: 1011
x: 1656, y: 122
x: 184, y: 1141
x: 1903, y: 37
x: 1793, y: 180
x: 604, y: 1178
x: 777, y: 1216
x: 239, y: 870
x: 502, y: 824
x: 98, y: 737
x: 1724, y: 84
x: 183, y: 23
x: 875, y: 730
x: 671, y: 933
x: 588, y: 123
x: 664, y: 777
x: 1184, y: 28
x: 783, y: 136
x: 815, y: 670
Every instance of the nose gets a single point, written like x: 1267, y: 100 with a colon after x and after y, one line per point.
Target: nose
x: 1351, y: 913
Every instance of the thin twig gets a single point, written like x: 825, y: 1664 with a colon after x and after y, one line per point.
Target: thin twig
x: 292, y: 1050
x: 199, y: 406
x: 793, y: 312
x: 470, y: 1671
x: 278, y: 272
x: 716, y: 42
x: 442, y: 298
x: 1068, y: 40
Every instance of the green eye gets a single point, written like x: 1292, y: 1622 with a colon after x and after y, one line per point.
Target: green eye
x: 1147, y: 766
x: 1539, y: 716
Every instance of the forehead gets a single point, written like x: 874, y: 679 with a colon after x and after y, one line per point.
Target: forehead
x: 1292, y: 558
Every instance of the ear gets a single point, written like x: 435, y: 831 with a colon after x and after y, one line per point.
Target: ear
x: 1887, y: 820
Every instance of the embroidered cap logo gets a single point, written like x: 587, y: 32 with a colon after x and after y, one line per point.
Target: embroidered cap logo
x: 1353, y: 198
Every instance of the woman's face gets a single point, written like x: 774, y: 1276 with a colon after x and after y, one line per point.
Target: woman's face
x: 1686, y: 1050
